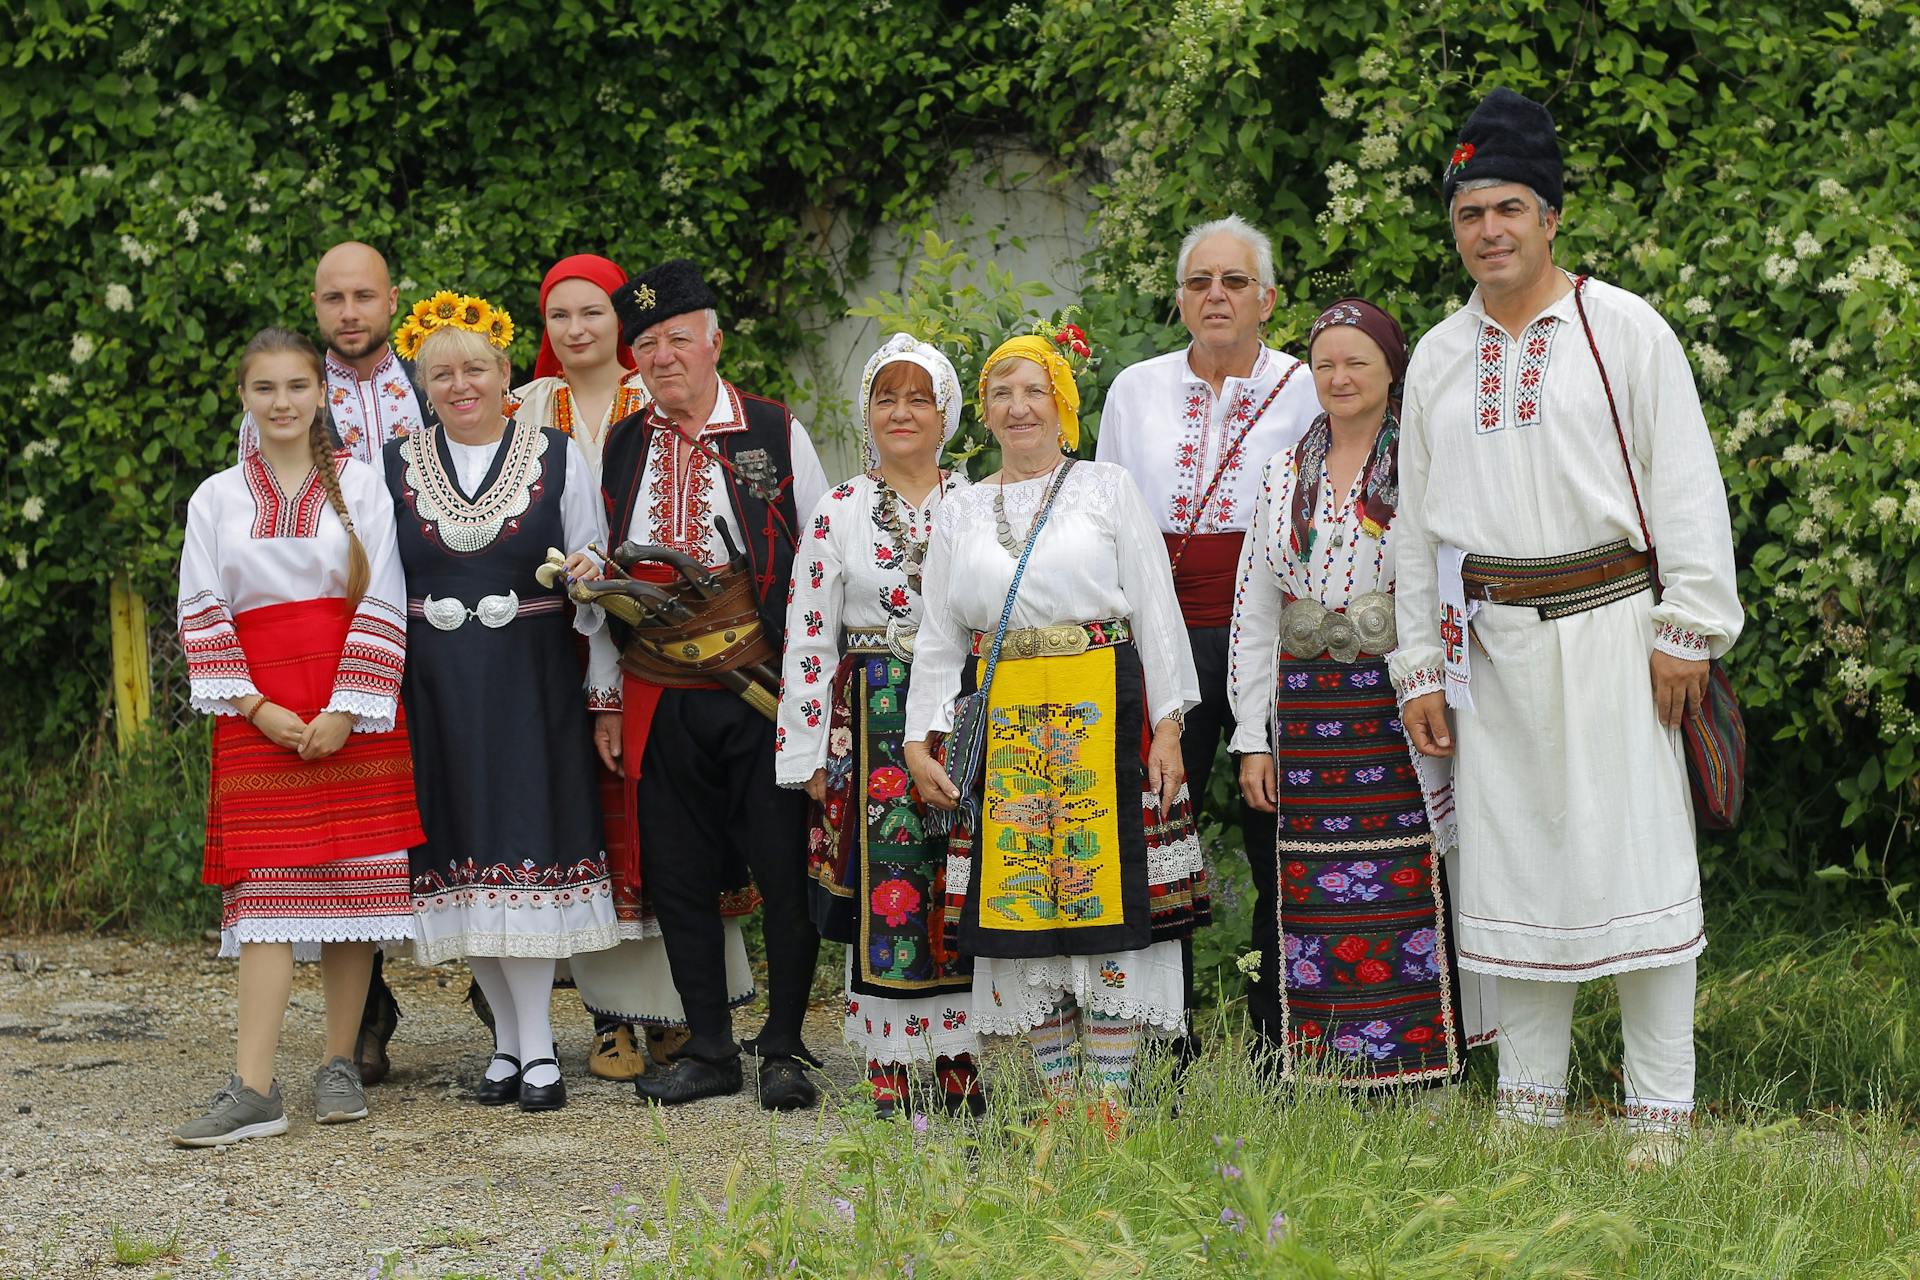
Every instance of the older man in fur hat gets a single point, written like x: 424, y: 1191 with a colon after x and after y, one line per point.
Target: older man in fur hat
x: 704, y: 452
x: 1552, y: 439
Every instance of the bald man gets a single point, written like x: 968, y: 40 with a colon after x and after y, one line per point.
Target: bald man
x: 371, y: 392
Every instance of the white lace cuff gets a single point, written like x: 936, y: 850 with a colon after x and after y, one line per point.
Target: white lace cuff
x: 371, y: 712
x: 215, y: 697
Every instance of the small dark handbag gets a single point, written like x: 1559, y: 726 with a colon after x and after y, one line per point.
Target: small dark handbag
x: 1714, y: 735
x: 966, y: 745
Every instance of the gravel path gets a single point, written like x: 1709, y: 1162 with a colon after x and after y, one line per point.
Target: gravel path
x: 106, y: 1043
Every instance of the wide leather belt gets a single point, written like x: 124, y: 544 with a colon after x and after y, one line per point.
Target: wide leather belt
x: 1364, y: 628
x: 897, y: 638
x: 1061, y: 641
x: 1559, y: 586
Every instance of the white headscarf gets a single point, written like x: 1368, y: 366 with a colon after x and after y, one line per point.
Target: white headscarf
x: 903, y: 348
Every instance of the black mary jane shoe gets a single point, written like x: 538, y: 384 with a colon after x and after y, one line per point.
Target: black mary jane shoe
x: 542, y: 1097
x: 498, y: 1093
x: 784, y: 1085
x: 688, y: 1080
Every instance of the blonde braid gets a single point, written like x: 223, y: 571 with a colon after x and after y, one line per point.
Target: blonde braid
x: 359, y: 572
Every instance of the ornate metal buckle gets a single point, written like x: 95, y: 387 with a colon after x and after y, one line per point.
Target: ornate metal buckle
x: 901, y: 636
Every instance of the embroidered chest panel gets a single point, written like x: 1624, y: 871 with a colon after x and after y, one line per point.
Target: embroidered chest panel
x: 446, y: 515
x: 1192, y: 474
x: 274, y: 514
x: 1508, y: 390
x: 369, y: 414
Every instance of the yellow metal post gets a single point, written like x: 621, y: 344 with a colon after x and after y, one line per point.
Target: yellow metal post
x: 132, y: 680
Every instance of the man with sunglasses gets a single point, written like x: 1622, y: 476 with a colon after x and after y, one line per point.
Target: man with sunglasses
x: 1194, y: 427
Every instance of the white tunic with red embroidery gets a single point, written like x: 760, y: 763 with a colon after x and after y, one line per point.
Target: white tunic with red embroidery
x: 1163, y: 423
x: 1577, y: 853
x: 367, y: 412
x: 678, y: 500
x: 249, y: 545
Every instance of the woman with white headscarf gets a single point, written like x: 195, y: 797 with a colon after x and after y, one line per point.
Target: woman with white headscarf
x: 877, y: 881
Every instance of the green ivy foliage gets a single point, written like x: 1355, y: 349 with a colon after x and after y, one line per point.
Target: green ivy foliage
x: 168, y: 173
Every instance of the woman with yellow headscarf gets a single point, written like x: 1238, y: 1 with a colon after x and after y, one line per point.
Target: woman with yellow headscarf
x: 1073, y: 870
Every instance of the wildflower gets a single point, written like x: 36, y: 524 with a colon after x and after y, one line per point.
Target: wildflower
x: 1797, y: 454
x: 1341, y: 177
x: 138, y: 250
x: 20, y: 559
x: 33, y: 508
x: 1340, y: 106
x: 1868, y: 9
x: 1885, y: 508
x: 254, y: 244
x: 1806, y: 246
x: 1249, y: 964
x: 919, y: 1122
x: 1778, y: 268
x: 232, y: 272
x: 58, y: 383
x: 81, y: 349
x: 1832, y: 191
x: 189, y: 225
x: 844, y: 1208
x: 1799, y: 349
x: 1232, y: 1219
x: 1698, y: 306
x: 1277, y: 1226
x: 1230, y: 1172
x: 1375, y: 65
x: 615, y: 1189
x: 1776, y: 237
x: 119, y: 298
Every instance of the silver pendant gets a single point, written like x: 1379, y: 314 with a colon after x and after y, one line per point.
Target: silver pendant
x: 1339, y: 540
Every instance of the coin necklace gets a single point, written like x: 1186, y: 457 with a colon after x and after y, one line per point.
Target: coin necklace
x: 911, y: 552
x: 1001, y: 529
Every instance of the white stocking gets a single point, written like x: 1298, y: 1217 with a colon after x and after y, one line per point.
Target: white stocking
x: 506, y: 1031
x: 1656, y: 1020
x: 531, y: 981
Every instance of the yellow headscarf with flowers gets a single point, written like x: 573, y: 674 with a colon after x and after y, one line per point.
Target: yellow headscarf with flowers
x: 1066, y: 392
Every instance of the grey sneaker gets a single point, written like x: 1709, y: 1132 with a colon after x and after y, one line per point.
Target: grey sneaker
x: 235, y: 1114
x: 337, y: 1095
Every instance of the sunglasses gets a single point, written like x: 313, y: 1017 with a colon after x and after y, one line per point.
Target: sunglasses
x: 1232, y: 281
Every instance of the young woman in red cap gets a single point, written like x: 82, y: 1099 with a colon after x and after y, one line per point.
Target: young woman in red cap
x: 585, y: 383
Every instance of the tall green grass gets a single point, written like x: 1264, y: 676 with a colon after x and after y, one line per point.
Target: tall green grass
x: 100, y: 840
x: 1245, y: 1178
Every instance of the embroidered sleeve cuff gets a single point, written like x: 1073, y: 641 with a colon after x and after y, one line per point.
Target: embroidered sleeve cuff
x: 1418, y: 681
x: 1682, y: 642
x: 603, y: 699
x: 214, y: 697
x: 371, y: 713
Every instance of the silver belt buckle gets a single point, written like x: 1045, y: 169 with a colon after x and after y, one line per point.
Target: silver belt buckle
x: 901, y: 636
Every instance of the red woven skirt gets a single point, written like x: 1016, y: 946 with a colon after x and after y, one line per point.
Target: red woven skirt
x: 266, y: 807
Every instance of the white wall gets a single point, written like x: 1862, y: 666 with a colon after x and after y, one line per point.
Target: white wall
x: 1009, y: 193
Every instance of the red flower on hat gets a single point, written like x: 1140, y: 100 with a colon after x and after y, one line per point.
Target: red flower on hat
x: 1461, y: 154
x: 1074, y: 339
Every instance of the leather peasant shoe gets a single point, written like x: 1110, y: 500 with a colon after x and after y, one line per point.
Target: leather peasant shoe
x: 689, y: 1080
x: 784, y: 1085
x: 379, y: 1018
x: 498, y: 1093
x: 615, y: 1055
x: 665, y: 1043
x: 542, y: 1097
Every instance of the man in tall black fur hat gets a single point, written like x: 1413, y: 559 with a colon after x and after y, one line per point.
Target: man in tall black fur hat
x: 701, y: 454
x: 1552, y: 441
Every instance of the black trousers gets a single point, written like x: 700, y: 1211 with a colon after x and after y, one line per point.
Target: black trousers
x: 706, y: 791
x: 1207, y: 725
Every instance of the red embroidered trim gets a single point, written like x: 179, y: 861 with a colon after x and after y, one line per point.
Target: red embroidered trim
x: 273, y: 515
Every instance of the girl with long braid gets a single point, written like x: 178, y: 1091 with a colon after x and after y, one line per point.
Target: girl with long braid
x: 293, y: 616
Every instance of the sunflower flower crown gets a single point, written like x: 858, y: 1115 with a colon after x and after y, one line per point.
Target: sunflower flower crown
x: 449, y: 310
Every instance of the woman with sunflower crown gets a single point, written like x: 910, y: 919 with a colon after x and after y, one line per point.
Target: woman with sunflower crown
x: 512, y: 876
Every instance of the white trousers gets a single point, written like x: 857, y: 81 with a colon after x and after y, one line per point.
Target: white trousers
x: 1656, y: 1020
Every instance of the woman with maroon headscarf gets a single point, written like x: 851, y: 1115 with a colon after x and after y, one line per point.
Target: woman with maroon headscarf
x: 1369, y: 991
x: 583, y: 384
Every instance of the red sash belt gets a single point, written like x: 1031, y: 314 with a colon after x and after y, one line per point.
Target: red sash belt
x: 266, y: 807
x: 1204, y: 580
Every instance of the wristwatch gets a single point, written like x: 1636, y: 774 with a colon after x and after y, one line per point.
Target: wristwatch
x: 1178, y: 715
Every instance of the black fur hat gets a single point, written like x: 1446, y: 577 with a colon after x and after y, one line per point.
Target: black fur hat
x: 1511, y: 139
x: 660, y: 293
